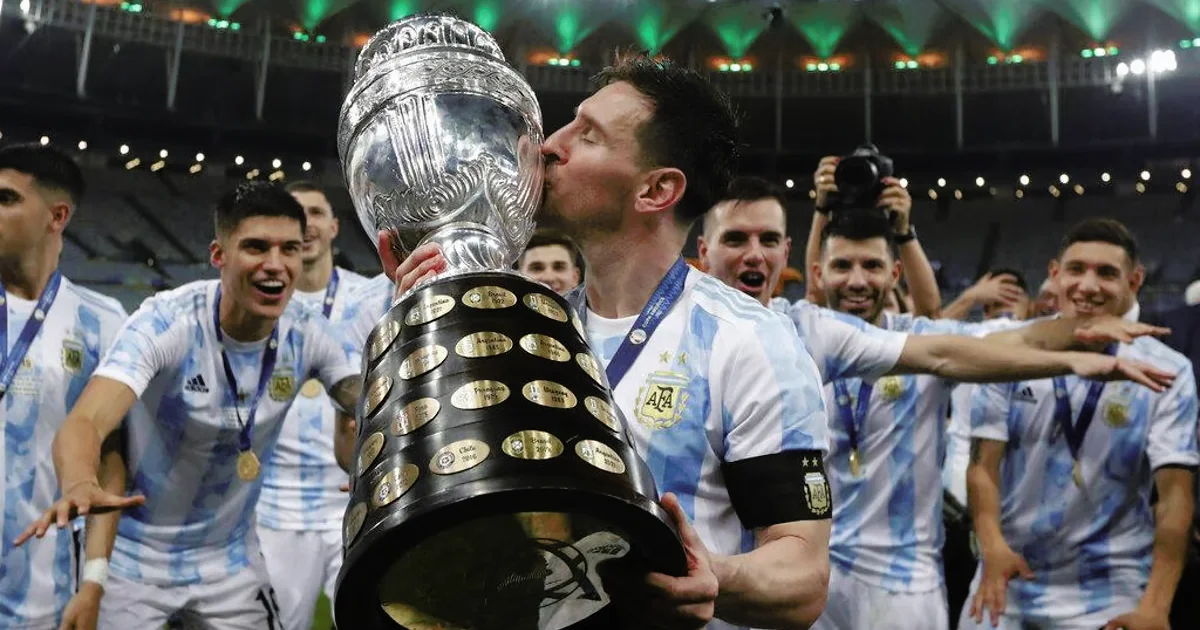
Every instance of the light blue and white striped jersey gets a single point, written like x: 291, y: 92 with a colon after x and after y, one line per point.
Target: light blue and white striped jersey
x: 842, y: 345
x: 1086, y: 547
x: 302, y: 480
x: 196, y: 525
x: 365, y: 307
x: 887, y: 523
x: 38, y: 578
x: 958, y: 433
x: 722, y: 379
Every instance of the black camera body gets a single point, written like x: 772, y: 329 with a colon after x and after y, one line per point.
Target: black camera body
x: 859, y: 178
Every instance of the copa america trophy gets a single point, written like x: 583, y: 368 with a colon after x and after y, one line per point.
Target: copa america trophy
x: 492, y: 471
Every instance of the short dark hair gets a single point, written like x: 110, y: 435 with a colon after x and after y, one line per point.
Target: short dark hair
x: 303, y: 186
x: 858, y: 225
x: 546, y: 237
x: 692, y: 127
x: 1018, y: 277
x: 256, y: 199
x: 1101, y: 230
x: 748, y: 189
x: 50, y: 167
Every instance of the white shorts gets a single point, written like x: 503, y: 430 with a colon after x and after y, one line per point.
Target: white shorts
x: 856, y: 605
x: 302, y: 565
x: 1122, y: 603
x: 243, y: 601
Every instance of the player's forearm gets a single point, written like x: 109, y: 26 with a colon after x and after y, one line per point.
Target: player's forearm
x: 343, y: 441
x: 922, y: 283
x: 76, y: 452
x: 985, y: 361
x: 983, y: 500
x: 781, y: 584
x: 1172, y: 524
x: 101, y: 531
x: 961, y: 307
x: 812, y: 255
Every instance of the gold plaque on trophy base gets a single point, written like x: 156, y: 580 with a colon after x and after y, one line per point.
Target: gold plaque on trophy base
x: 480, y: 394
x: 459, y: 456
x: 415, y: 415
x: 393, y: 485
x: 532, y: 445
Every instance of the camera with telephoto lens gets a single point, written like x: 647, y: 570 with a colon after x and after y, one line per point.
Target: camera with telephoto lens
x: 859, y: 178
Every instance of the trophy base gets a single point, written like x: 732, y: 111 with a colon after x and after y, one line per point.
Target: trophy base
x: 486, y: 560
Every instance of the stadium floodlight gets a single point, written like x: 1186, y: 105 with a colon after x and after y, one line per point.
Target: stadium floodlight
x: 1105, y: 177
x: 979, y: 181
x: 1137, y: 66
x: 790, y: 183
x: 1122, y: 69
x: 904, y: 182
x: 82, y: 145
x: 276, y: 163
x: 941, y: 182
x: 1186, y: 173
x: 163, y: 154
x: 1024, y: 180
x: 124, y: 150
x: 1145, y: 175
x: 45, y: 140
x: 25, y: 6
x: 933, y: 194
x: 307, y: 166
x: 1163, y: 61
x: 199, y: 157
x: 1064, y: 178
x: 239, y: 160
x: 958, y: 194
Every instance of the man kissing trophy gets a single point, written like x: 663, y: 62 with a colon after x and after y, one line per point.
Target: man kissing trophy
x: 492, y: 472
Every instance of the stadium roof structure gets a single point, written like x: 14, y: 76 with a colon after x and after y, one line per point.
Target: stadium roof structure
x: 941, y: 77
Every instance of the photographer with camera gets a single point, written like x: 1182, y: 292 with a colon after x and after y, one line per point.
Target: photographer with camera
x: 863, y: 182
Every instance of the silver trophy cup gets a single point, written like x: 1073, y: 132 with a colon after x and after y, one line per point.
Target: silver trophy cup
x: 492, y: 474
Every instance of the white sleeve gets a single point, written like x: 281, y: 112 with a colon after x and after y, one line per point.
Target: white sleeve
x: 1172, y: 438
x: 771, y: 397
x: 330, y: 356
x: 145, y: 344
x: 851, y: 350
x: 989, y: 407
x: 367, y: 307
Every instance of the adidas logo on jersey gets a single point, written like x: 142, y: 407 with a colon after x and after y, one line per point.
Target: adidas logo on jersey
x: 196, y: 384
x: 1025, y: 394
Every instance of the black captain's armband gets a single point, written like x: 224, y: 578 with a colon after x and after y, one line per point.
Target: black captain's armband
x: 779, y: 488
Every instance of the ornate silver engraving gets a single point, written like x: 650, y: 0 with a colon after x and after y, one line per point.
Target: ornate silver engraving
x: 440, y: 140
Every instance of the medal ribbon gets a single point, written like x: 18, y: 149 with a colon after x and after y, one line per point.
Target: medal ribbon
x: 853, y: 419
x: 330, y: 294
x: 11, y: 361
x: 244, y: 442
x: 1076, y: 431
x: 665, y: 296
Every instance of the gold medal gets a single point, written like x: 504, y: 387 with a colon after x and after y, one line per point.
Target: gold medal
x: 855, y: 463
x: 247, y: 466
x: 1077, y: 475
x: 312, y: 388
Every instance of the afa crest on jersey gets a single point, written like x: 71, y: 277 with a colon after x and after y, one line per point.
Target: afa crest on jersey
x: 72, y: 356
x: 661, y: 400
x: 283, y: 386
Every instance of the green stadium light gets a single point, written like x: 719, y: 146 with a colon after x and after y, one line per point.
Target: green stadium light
x: 575, y: 63
x: 735, y: 67
x: 1086, y: 53
x: 1196, y: 42
x: 746, y: 67
x: 1185, y: 43
x: 835, y: 67
x: 724, y: 67
x: 900, y: 65
x: 823, y: 67
x: 1099, y: 52
x: 812, y: 67
x: 1016, y: 59
x: 912, y: 64
x: 992, y: 60
x: 320, y: 39
x: 1113, y: 51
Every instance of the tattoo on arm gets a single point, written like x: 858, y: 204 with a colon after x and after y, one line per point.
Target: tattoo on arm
x: 975, y: 448
x: 345, y: 393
